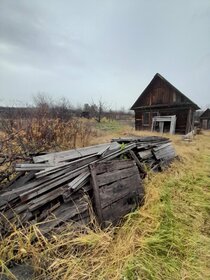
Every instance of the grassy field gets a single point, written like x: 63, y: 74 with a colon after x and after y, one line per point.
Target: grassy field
x: 167, y: 238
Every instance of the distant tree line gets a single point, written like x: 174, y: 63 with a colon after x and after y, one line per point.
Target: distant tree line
x: 44, y: 106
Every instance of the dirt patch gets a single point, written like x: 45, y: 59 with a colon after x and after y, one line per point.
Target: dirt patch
x: 21, y: 272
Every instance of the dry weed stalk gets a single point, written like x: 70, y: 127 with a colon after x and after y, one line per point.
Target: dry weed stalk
x: 22, y: 138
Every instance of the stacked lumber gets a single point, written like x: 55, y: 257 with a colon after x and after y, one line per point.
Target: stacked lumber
x: 65, y: 186
x: 155, y: 152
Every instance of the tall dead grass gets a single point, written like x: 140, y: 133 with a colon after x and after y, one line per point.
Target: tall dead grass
x: 21, y: 138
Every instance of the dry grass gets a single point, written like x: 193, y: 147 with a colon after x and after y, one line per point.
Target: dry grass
x: 20, y: 138
x: 167, y: 238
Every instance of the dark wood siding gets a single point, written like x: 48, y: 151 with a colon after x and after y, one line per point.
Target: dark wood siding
x: 161, y: 93
x: 182, y: 115
x: 205, y: 119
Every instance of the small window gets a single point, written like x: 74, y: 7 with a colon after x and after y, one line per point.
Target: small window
x: 146, y: 119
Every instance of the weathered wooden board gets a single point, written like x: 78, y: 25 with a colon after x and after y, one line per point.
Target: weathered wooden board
x: 119, y: 189
x: 11, y: 199
x: 21, y: 179
x: 71, y: 154
x: 113, y: 165
x: 75, y: 185
x: 145, y: 154
x: 32, y: 166
x: 97, y: 200
x: 139, y: 164
x: 118, y: 152
x: 68, y: 166
x: 66, y: 212
x: 49, y: 185
x: 17, y: 189
x: 165, y: 153
x: 110, y: 177
x: 115, y: 211
x: 116, y: 192
x: 44, y: 199
x: 114, y: 146
x: 51, y: 178
x: 142, y: 139
x: 79, y: 182
x: 48, y: 211
x: 12, y: 212
x: 14, y: 180
x: 161, y: 146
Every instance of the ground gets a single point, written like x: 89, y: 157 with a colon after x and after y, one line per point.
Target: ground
x: 21, y: 272
x: 167, y: 238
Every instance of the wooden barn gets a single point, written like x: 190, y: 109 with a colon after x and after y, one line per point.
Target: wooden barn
x: 205, y: 119
x: 162, y: 102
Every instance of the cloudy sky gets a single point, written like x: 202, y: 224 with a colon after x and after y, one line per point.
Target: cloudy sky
x: 85, y: 50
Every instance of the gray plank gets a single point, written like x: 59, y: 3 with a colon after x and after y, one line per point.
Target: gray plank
x: 119, y: 189
x: 145, y: 154
x: 114, y: 146
x: 138, y: 163
x: 96, y: 194
x: 113, y: 165
x: 70, y: 154
x: 107, y: 178
x: 64, y: 213
x: 44, y: 199
x: 165, y: 153
x: 118, y: 152
x: 19, y: 181
x: 50, y: 185
x: 69, y: 166
x: 114, y: 212
x: 79, y: 181
x: 32, y: 166
x: 162, y: 146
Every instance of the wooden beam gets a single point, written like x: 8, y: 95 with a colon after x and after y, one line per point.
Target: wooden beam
x: 138, y: 163
x: 96, y: 195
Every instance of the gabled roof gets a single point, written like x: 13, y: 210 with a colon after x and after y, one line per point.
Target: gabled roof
x: 206, y: 114
x: 190, y: 102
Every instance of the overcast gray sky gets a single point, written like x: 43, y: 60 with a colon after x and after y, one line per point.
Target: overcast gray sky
x: 90, y: 49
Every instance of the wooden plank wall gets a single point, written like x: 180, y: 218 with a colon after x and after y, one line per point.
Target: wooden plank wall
x: 181, y: 114
x: 118, y: 189
x: 160, y: 93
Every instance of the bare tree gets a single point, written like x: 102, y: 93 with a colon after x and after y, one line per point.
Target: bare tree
x: 62, y: 109
x: 98, y: 110
x: 43, y: 103
x: 47, y: 107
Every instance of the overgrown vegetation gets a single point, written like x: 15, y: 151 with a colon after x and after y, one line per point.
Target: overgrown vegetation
x: 50, y: 125
x: 21, y: 138
x: 167, y: 238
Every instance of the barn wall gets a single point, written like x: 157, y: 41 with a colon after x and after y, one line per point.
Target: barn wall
x: 205, y: 119
x: 205, y: 123
x: 160, y: 93
x: 143, y: 118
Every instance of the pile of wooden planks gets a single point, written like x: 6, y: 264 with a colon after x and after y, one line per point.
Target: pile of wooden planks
x: 154, y: 152
x: 66, y: 186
